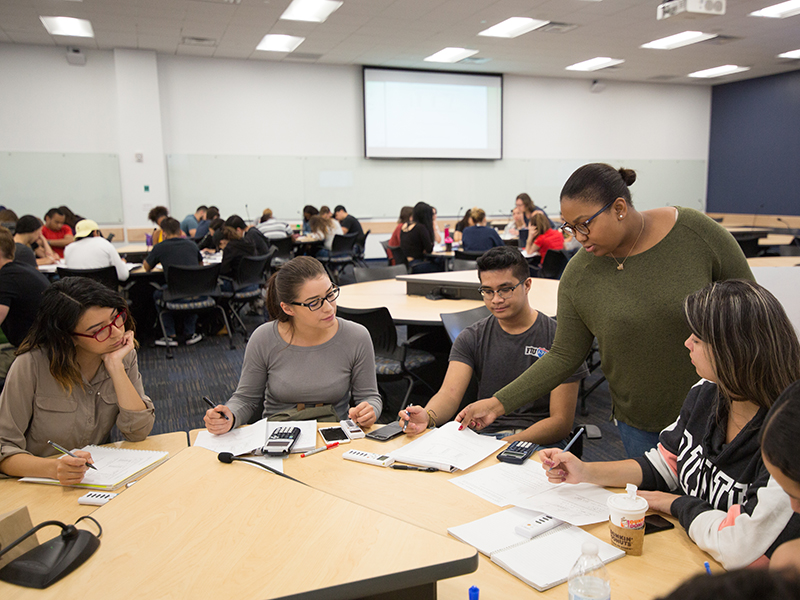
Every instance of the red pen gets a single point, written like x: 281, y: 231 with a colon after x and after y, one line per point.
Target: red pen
x: 320, y: 449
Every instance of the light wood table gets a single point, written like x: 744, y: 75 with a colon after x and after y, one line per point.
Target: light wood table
x: 774, y: 261
x: 198, y: 528
x: 418, y: 310
x: 132, y: 248
x: 430, y: 501
x: 47, y: 502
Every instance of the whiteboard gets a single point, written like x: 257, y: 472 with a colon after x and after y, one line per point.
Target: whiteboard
x: 374, y: 188
x: 35, y: 182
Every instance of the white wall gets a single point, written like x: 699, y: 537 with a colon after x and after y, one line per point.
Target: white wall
x: 288, y: 134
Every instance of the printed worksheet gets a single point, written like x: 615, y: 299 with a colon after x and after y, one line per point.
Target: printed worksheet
x: 446, y: 448
x: 504, y: 484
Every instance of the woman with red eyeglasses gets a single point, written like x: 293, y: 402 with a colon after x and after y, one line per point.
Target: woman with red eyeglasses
x: 75, y: 377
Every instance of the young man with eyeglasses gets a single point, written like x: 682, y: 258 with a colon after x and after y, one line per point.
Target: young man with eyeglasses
x: 497, y: 350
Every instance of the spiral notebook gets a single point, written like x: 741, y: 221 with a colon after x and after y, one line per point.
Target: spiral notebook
x: 543, y: 561
x: 115, y: 467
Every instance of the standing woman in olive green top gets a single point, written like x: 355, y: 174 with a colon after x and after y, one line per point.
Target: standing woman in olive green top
x: 626, y: 288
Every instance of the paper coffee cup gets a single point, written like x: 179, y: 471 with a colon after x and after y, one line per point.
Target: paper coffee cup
x: 626, y: 520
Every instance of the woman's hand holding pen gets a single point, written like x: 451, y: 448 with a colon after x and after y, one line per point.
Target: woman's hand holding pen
x: 215, y: 422
x: 363, y: 415
x: 562, y: 467
x: 414, y: 419
x: 70, y: 470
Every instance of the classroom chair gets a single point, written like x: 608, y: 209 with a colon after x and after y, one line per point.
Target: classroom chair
x: 460, y: 264
x: 464, y: 255
x: 399, y: 256
x: 343, y: 253
x: 284, y: 251
x: 378, y: 273
x: 105, y: 275
x: 191, y: 289
x: 393, y: 361
x: 554, y: 263
x: 246, y: 286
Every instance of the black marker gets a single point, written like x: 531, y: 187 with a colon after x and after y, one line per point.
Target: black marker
x: 407, y: 468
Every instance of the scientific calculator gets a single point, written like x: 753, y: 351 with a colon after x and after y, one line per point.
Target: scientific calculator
x: 281, y: 440
x: 518, y: 452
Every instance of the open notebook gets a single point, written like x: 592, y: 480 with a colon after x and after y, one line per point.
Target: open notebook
x: 115, y: 467
x: 543, y: 561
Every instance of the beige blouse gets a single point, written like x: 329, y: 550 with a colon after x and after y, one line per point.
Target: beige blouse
x: 35, y: 408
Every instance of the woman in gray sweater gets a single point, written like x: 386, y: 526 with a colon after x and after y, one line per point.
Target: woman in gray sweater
x: 306, y: 357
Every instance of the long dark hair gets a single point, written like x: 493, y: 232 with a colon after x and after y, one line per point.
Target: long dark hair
x: 62, y: 306
x: 753, y: 346
x: 423, y: 215
x: 284, y: 285
x: 599, y: 183
x: 780, y: 436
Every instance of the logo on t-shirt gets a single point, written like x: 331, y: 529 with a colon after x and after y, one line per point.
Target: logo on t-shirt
x: 534, y: 351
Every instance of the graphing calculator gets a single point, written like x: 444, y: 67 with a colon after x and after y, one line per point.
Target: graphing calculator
x: 517, y: 452
x: 281, y: 440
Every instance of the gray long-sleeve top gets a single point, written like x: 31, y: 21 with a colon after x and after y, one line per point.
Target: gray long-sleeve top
x: 277, y: 376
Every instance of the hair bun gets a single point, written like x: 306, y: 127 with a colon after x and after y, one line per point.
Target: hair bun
x: 628, y: 175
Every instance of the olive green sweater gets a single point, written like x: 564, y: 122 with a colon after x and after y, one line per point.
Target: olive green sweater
x: 637, y: 316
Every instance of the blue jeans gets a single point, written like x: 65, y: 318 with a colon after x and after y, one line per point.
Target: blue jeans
x: 636, y: 441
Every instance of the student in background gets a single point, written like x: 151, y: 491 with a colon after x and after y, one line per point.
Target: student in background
x: 437, y: 235
x: 210, y: 240
x: 234, y: 247
x: 157, y: 214
x: 479, y: 237
x: 497, y: 350
x: 325, y: 230
x: 517, y: 223
x: 780, y: 450
x: 394, y: 239
x: 190, y: 222
x: 249, y: 233
x: 542, y: 237
x: 306, y: 363
x: 76, y: 377
x: 32, y: 248
x: 272, y: 228
x: 625, y: 288
x: 70, y: 218
x: 348, y: 222
x: 308, y: 212
x: 524, y: 201
x: 174, y: 250
x: 212, y: 214
x: 466, y: 221
x: 416, y: 240
x: 707, y: 469
x: 91, y: 250
x: 56, y: 231
x: 8, y: 219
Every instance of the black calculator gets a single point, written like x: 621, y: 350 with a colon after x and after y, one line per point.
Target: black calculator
x: 282, y: 440
x: 518, y: 452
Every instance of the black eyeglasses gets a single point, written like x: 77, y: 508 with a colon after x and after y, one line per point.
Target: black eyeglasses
x: 583, y: 228
x: 317, y: 304
x: 102, y: 334
x: 503, y: 293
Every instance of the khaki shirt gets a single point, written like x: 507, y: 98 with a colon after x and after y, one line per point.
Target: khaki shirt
x: 35, y: 408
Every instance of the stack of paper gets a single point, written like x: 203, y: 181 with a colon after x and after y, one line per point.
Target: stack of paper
x: 244, y: 440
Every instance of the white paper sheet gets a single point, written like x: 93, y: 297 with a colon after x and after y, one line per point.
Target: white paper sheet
x: 242, y: 440
x: 447, y: 448
x: 504, y: 484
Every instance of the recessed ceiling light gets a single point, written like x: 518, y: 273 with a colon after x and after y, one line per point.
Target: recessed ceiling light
x: 315, y: 11
x: 719, y: 71
x: 792, y: 54
x: 68, y: 26
x: 595, y: 64
x: 678, y: 40
x: 450, y: 55
x: 779, y: 11
x: 276, y: 42
x: 513, y: 27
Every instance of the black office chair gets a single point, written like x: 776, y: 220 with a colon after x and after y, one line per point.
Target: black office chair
x: 455, y: 323
x: 460, y: 264
x: 343, y: 253
x: 393, y: 362
x: 590, y: 432
x: 554, y: 263
x: 464, y: 255
x: 250, y: 276
x: 191, y: 289
x: 389, y: 257
x: 378, y: 273
x: 361, y: 247
x: 592, y: 363
x: 399, y: 256
x: 284, y: 251
x: 105, y: 275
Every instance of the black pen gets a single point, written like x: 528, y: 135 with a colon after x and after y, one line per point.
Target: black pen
x: 68, y: 453
x: 212, y: 405
x: 407, y: 468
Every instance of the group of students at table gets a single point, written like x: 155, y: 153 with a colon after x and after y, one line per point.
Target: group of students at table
x: 720, y: 455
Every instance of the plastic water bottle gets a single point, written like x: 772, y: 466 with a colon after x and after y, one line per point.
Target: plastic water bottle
x: 588, y: 579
